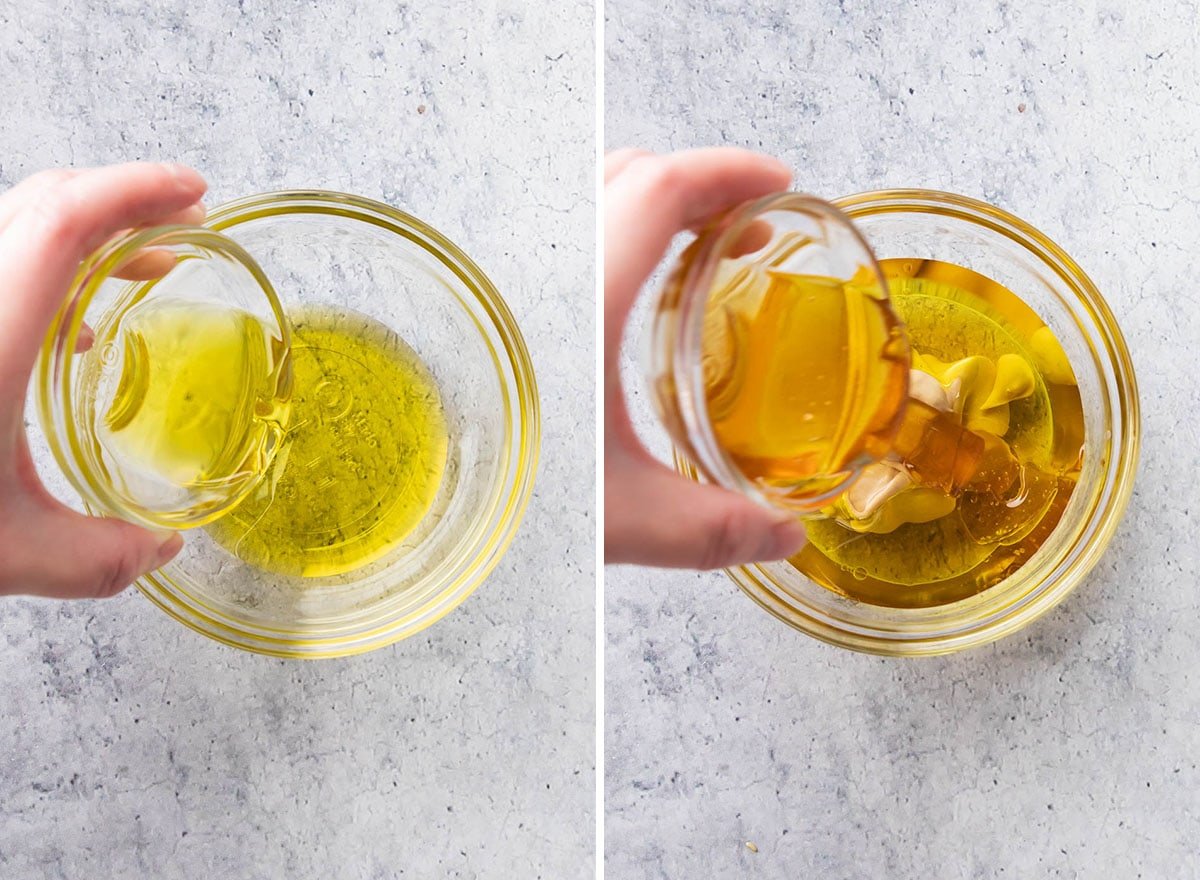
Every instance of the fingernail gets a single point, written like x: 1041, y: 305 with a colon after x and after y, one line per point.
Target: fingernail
x: 168, y: 549
x: 184, y: 176
x: 85, y: 340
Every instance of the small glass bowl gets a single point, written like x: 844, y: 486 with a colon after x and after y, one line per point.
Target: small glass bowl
x: 788, y: 232
x: 326, y: 248
x: 167, y: 263
x: 925, y: 224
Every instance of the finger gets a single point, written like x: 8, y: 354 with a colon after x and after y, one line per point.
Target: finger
x: 618, y: 160
x: 65, y: 555
x: 655, y: 198
x: 85, y: 340
x: 151, y: 263
x: 654, y: 516
x: 72, y: 216
x: 754, y: 237
x: 147, y: 264
x: 30, y: 189
x: 41, y: 249
x: 192, y: 215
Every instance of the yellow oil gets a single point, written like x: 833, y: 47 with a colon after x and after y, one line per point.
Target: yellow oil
x: 188, y: 395
x: 977, y: 433
x: 362, y: 459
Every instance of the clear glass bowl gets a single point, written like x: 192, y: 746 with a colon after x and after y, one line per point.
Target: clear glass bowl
x: 789, y: 232
x: 330, y: 248
x: 84, y: 354
x: 925, y: 224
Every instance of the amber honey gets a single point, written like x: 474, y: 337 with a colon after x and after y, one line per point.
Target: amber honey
x: 950, y: 400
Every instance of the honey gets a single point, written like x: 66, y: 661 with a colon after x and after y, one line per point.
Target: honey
x: 966, y: 441
x: 804, y: 375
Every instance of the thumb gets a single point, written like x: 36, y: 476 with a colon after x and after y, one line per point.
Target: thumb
x: 71, y: 556
x: 656, y: 517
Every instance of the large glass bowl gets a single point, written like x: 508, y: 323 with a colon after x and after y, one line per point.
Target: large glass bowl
x: 925, y: 224
x: 330, y: 248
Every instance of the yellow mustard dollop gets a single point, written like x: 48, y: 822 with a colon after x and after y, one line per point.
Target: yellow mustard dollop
x: 978, y: 391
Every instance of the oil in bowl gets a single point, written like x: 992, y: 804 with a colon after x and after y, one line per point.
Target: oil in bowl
x: 362, y: 457
x: 189, y: 394
x: 373, y: 447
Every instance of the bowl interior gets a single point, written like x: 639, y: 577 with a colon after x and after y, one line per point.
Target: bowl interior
x: 319, y: 249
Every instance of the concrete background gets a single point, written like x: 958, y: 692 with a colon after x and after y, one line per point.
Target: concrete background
x: 1069, y: 750
x: 131, y: 747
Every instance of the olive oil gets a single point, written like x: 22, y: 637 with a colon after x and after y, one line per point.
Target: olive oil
x: 362, y: 459
x: 330, y: 451
x: 186, y: 395
x: 973, y: 440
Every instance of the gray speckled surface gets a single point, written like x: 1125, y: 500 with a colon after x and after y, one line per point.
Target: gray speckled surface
x: 1070, y: 749
x: 130, y: 747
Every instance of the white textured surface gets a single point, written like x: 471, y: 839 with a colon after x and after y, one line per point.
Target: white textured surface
x: 130, y: 747
x: 1069, y: 750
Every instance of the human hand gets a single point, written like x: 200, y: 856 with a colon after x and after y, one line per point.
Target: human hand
x: 48, y: 224
x: 653, y: 516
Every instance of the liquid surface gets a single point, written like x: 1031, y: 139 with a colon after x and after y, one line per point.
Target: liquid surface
x: 984, y: 462
x: 362, y: 458
x: 186, y: 396
x: 805, y: 377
